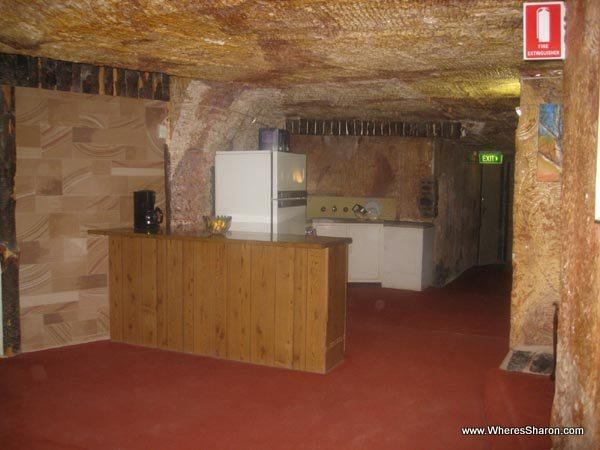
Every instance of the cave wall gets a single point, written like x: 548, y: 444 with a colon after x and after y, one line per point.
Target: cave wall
x: 577, y: 396
x: 206, y: 118
x: 368, y: 166
x: 391, y: 166
x: 458, y: 219
x: 536, y: 224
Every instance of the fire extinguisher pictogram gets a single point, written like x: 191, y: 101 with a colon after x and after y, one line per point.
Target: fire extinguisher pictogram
x: 543, y: 25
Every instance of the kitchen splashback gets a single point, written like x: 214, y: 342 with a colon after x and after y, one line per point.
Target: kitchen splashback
x: 341, y: 207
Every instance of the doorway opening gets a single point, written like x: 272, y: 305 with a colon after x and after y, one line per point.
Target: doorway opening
x: 495, y: 232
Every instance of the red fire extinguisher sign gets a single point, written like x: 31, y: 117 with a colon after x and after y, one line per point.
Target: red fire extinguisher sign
x: 544, y: 30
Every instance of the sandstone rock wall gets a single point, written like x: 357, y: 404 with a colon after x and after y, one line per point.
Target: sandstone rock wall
x: 458, y: 220
x: 390, y: 166
x: 536, y: 224
x: 577, y: 398
x: 368, y: 166
x: 206, y: 118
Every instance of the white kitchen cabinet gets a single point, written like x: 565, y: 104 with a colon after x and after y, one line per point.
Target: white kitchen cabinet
x: 331, y: 229
x: 407, y: 257
x: 398, y: 255
x: 364, y: 254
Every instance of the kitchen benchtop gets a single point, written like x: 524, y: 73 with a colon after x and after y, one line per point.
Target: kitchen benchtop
x: 282, y: 240
x: 386, y: 223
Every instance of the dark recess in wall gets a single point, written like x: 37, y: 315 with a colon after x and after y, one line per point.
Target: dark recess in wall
x: 354, y: 127
x: 28, y: 71
x: 9, y: 251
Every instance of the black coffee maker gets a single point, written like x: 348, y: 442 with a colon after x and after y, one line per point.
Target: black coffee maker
x: 146, y: 218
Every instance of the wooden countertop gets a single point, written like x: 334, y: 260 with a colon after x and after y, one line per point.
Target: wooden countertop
x: 280, y: 240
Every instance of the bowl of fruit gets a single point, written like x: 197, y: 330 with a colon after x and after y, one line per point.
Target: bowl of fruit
x: 217, y: 224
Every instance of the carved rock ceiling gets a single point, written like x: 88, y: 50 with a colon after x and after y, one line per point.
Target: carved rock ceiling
x: 401, y: 59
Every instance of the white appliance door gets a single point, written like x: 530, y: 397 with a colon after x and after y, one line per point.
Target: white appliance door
x: 289, y: 175
x: 289, y: 216
x: 243, y: 189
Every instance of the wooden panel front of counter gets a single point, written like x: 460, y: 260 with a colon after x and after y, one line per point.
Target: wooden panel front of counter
x: 275, y: 305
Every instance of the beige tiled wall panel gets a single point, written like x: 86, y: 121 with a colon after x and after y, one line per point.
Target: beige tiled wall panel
x: 79, y: 158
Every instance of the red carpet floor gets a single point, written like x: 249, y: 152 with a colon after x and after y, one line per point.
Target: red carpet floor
x: 419, y: 367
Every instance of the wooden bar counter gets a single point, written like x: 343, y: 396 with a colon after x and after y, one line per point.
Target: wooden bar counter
x: 273, y: 300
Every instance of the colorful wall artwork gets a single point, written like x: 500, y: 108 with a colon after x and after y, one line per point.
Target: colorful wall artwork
x: 550, y: 132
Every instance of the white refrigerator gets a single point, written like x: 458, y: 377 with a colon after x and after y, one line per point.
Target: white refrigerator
x: 263, y: 191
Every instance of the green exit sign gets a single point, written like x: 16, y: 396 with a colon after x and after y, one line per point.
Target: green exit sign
x: 490, y: 157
